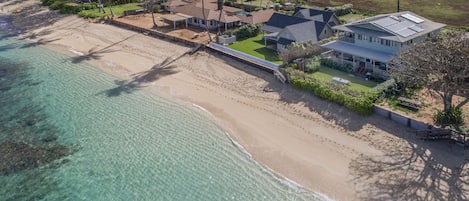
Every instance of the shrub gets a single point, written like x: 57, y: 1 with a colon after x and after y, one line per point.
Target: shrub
x: 347, y: 68
x: 361, y: 103
x: 452, y: 117
x: 247, y: 31
x: 57, y: 5
x: 313, y: 65
x: 342, y: 10
x: 298, y: 50
x: 71, y: 9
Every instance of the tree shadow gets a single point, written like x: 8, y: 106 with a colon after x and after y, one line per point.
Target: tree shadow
x: 34, y: 17
x: 6, y: 36
x: 414, y: 170
x: 409, y: 168
x: 8, y: 47
x: 41, y: 41
x: 97, y: 54
x: 92, y: 54
x: 138, y: 81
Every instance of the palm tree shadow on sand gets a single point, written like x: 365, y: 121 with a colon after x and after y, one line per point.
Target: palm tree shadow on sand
x: 139, y: 80
x: 97, y: 54
x: 92, y: 54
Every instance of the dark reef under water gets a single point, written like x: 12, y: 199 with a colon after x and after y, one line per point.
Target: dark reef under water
x: 29, y: 145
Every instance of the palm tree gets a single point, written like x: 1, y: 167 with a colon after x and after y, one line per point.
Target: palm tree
x: 152, y: 15
x: 220, y: 7
x: 205, y: 20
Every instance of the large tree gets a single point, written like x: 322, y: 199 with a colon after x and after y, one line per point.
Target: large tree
x: 440, y: 64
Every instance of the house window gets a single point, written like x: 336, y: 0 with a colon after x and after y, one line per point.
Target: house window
x: 195, y: 21
x: 359, y: 36
x: 370, y: 39
x: 385, y: 42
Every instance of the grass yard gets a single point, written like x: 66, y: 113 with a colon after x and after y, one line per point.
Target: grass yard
x: 357, y: 83
x: 352, y: 17
x: 452, y: 12
x: 255, y: 47
x: 118, y: 10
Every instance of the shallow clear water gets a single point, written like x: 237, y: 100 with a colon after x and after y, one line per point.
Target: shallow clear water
x: 126, y: 143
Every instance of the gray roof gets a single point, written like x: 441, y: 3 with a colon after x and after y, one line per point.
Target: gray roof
x: 359, y: 51
x: 304, y: 32
x: 402, y: 26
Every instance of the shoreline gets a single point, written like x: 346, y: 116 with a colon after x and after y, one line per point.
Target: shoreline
x: 319, y: 145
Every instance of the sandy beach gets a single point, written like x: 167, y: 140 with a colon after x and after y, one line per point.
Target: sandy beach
x: 320, y: 145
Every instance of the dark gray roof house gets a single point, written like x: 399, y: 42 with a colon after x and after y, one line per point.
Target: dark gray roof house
x: 317, y: 15
x: 285, y: 29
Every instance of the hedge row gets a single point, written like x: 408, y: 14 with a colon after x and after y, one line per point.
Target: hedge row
x: 347, y: 68
x: 361, y: 104
x: 67, y: 8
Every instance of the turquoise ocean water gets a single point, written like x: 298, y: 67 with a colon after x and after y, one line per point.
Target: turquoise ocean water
x: 125, y: 143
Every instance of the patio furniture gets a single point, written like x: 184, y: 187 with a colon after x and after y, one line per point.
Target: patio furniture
x: 340, y: 80
x: 409, y: 103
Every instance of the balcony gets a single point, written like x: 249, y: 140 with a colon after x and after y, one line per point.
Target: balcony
x: 347, y: 39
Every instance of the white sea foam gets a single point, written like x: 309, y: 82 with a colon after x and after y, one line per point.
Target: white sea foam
x: 278, y: 177
x: 201, y: 108
x: 76, y: 52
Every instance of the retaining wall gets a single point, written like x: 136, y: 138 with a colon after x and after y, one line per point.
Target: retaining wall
x: 400, y: 119
x: 153, y: 33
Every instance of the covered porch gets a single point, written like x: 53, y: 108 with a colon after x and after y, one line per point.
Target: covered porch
x: 176, y: 18
x: 362, y: 59
x: 270, y: 40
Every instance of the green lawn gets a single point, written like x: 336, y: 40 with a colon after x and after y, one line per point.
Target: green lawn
x: 357, y: 83
x: 352, y: 17
x: 118, y: 10
x: 255, y: 47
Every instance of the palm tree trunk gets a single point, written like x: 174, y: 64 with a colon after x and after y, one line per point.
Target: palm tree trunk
x: 205, y: 20
x: 110, y: 9
x: 152, y: 15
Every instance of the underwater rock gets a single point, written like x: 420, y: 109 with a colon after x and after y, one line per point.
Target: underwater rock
x: 30, y: 122
x: 18, y: 156
x: 50, y: 138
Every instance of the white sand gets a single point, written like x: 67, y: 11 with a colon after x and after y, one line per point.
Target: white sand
x: 318, y: 144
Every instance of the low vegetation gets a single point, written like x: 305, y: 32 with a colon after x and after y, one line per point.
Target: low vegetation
x: 255, y: 46
x: 440, y: 65
x: 90, y: 10
x: 357, y: 101
x: 454, y: 12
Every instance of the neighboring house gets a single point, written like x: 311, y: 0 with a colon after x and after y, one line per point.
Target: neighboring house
x: 305, y: 25
x: 369, y: 44
x: 230, y: 16
x: 317, y: 15
x: 256, y: 17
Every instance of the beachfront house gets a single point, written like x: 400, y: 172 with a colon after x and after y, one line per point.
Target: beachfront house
x: 230, y: 16
x: 305, y: 25
x: 369, y: 44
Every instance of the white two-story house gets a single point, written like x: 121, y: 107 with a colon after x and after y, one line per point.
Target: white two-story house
x: 369, y: 44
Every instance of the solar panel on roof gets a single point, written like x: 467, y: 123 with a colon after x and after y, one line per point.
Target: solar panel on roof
x: 412, y: 18
x: 386, y: 22
x: 399, y: 26
x: 406, y: 32
x: 416, y: 28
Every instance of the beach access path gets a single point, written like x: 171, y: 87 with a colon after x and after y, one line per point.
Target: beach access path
x: 320, y: 145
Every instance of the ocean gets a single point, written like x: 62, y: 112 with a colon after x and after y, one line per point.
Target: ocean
x: 69, y: 131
